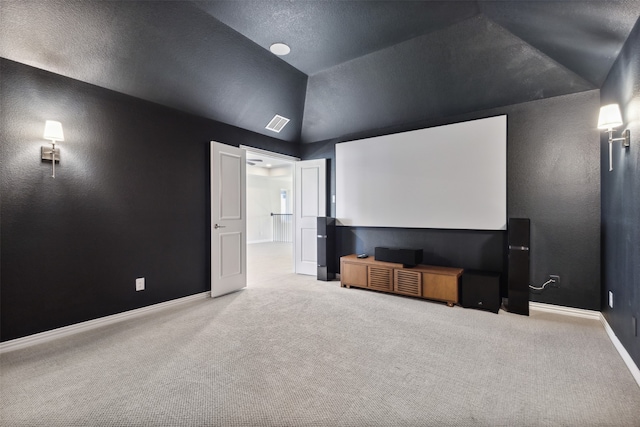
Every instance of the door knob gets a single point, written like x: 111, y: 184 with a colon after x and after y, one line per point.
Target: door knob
x: 219, y: 226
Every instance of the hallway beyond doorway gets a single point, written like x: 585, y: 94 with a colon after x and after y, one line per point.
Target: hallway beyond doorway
x: 268, y: 261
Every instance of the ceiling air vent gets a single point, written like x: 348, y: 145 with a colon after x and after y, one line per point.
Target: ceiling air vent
x: 277, y: 123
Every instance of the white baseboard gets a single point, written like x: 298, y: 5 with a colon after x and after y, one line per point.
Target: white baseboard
x: 43, y: 337
x: 567, y: 311
x: 623, y: 352
x: 596, y: 315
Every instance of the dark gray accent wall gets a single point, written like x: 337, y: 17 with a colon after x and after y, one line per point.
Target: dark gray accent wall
x: 434, y: 76
x: 621, y: 201
x: 562, y: 29
x: 552, y: 178
x: 168, y: 52
x: 324, y: 34
x: 130, y: 199
x: 365, y: 64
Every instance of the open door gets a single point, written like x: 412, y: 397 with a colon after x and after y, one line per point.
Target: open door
x: 310, y: 198
x: 228, y: 219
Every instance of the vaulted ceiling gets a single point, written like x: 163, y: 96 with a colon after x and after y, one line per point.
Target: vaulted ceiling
x: 354, y: 66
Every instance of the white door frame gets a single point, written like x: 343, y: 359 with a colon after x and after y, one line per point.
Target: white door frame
x: 322, y: 208
x: 293, y: 161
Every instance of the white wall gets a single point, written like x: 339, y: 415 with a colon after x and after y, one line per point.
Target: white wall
x: 263, y: 198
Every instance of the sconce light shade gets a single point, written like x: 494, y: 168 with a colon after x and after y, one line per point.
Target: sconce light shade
x: 610, y: 117
x: 53, y: 131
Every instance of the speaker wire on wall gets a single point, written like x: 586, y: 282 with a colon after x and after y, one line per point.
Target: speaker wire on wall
x: 541, y: 288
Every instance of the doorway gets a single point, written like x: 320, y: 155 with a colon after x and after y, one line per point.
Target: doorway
x: 269, y: 216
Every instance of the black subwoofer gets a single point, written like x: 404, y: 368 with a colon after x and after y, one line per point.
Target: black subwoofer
x: 481, y: 290
x: 519, y: 241
x: 326, y: 248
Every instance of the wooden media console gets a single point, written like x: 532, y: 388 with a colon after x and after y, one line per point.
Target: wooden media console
x: 424, y: 281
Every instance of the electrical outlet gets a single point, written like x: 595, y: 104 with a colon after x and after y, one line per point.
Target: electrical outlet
x: 556, y: 281
x: 610, y: 299
x: 140, y: 284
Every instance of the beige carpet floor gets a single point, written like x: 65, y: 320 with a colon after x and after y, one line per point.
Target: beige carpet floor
x: 293, y: 351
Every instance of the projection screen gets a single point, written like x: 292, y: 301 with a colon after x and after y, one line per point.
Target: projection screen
x: 445, y: 177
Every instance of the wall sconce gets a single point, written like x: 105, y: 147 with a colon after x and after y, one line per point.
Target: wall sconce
x: 53, y: 132
x: 609, y: 119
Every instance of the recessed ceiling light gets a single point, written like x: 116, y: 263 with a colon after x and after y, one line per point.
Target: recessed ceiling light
x: 268, y: 165
x: 279, y: 49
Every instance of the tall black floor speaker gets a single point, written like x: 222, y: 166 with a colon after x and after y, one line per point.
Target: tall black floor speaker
x: 519, y: 241
x: 326, y: 248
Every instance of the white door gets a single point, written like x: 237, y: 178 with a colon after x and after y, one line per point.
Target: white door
x: 228, y: 219
x: 310, y: 187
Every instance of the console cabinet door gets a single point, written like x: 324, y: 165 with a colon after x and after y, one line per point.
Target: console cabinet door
x: 353, y: 274
x: 407, y: 282
x: 380, y: 278
x: 440, y: 287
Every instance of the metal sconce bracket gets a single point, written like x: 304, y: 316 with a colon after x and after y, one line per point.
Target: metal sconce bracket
x: 48, y: 153
x: 626, y: 143
x: 625, y: 138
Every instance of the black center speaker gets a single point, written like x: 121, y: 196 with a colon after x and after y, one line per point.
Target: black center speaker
x: 519, y: 241
x: 406, y: 257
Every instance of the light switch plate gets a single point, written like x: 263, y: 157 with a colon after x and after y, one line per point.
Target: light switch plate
x: 140, y: 284
x: 610, y: 299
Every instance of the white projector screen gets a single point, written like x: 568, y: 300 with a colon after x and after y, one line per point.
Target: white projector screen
x: 446, y: 177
